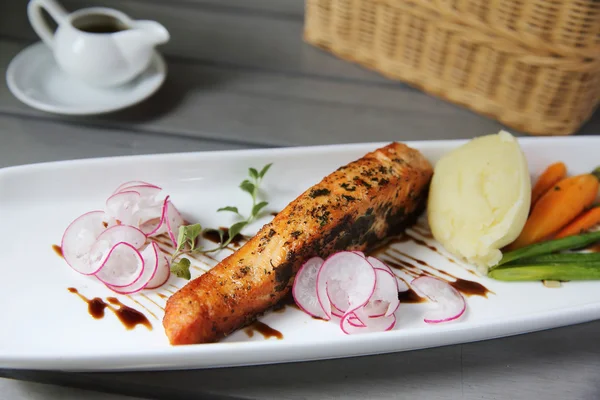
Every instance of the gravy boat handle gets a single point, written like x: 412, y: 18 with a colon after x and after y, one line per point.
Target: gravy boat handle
x: 34, y: 13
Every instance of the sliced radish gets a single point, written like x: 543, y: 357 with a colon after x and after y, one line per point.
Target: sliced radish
x: 384, y: 300
x: 78, y: 239
x: 402, y: 285
x: 379, y: 324
x: 173, y: 221
x: 148, y: 214
x: 355, y: 321
x: 111, y: 236
x: 132, y: 212
x: 335, y: 312
x: 347, y: 280
x: 451, y: 304
x: 123, y: 206
x: 152, y: 227
x: 360, y: 253
x: 376, y: 263
x: 157, y: 226
x: 153, y: 257
x: 148, y: 194
x: 169, y: 222
x: 162, y: 275
x: 126, y: 185
x: 123, y: 233
x: 304, y: 289
x: 123, y: 266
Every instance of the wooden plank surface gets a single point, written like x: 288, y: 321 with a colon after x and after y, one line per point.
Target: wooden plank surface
x: 247, y: 76
x: 264, y: 108
x: 209, y: 34
x: 26, y: 141
x: 268, y: 109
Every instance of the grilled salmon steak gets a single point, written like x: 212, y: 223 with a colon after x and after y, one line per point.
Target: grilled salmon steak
x: 354, y: 208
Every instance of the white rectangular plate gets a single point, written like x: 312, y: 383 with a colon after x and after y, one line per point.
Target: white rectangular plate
x: 44, y: 326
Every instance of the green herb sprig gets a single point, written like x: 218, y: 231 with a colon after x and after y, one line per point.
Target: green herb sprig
x: 250, y: 186
x: 187, y: 243
x: 187, y: 238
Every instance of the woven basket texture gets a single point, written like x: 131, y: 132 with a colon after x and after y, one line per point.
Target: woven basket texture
x: 565, y: 27
x: 529, y: 89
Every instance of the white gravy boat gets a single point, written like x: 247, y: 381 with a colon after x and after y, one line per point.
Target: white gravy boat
x: 100, y: 46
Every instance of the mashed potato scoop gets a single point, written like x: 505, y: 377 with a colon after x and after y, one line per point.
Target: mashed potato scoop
x: 479, y: 198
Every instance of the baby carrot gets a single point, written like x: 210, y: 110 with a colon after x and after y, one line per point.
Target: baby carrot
x: 587, y: 220
x: 553, y: 174
x: 557, y: 207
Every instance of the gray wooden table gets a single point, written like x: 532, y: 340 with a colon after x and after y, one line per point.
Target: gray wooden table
x: 241, y: 77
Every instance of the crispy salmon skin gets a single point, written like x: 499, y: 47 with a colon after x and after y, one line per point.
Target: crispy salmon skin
x: 354, y: 208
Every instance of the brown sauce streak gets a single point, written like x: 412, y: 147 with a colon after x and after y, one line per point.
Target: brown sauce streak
x: 58, y: 250
x: 210, y: 258
x: 423, y: 232
x: 167, y: 252
x: 198, y: 268
x: 404, y: 266
x: 214, y: 237
x: 96, y: 305
x: 466, y: 287
x: 423, y: 243
x: 128, y: 316
x: 410, y: 296
x: 407, y: 237
x: 263, y: 329
x: 143, y: 306
x: 151, y: 301
x: 470, y: 288
x: 162, y: 296
x: 420, y: 242
x: 445, y: 275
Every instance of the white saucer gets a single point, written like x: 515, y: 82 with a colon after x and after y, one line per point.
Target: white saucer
x: 34, y: 78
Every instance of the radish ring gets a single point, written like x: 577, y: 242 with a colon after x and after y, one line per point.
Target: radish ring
x: 78, y: 239
x: 152, y: 257
x: 304, y: 289
x: 346, y: 280
x: 451, y: 303
x: 122, y: 267
x: 126, y: 185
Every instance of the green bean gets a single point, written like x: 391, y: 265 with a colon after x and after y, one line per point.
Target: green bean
x: 557, y: 259
x: 561, y: 271
x: 551, y: 246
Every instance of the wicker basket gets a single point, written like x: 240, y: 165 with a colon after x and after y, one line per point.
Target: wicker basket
x: 565, y: 27
x: 529, y: 91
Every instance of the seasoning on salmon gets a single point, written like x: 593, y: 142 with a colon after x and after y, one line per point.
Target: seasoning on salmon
x: 354, y: 208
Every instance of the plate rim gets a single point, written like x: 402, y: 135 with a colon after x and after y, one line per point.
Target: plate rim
x: 418, y: 144
x: 188, y: 357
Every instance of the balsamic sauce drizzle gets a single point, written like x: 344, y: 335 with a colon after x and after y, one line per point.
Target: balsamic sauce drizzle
x: 128, y: 316
x: 58, y: 250
x: 415, y: 267
x: 263, y: 329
